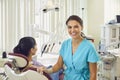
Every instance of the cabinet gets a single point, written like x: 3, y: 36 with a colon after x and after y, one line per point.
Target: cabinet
x: 110, y: 33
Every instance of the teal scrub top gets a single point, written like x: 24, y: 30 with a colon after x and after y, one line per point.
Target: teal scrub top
x: 76, y: 64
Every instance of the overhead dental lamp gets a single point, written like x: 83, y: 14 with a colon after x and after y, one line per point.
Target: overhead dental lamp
x: 50, y: 6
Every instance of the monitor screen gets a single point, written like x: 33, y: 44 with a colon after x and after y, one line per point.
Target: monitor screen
x: 118, y: 18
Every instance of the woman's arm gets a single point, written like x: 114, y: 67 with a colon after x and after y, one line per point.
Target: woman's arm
x: 93, y: 71
x: 58, y: 65
x: 53, y: 69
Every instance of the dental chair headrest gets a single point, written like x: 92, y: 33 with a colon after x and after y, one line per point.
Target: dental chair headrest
x: 21, y: 60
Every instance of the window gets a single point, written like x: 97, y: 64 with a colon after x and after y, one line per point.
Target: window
x: 19, y: 16
x: 54, y: 21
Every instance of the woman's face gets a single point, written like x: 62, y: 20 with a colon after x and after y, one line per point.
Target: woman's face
x: 74, y: 29
x: 34, y: 50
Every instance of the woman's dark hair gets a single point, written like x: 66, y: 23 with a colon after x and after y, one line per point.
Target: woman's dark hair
x: 76, y: 18
x: 24, y: 46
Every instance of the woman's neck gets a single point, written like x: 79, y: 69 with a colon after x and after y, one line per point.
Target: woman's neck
x: 77, y: 41
x: 30, y: 57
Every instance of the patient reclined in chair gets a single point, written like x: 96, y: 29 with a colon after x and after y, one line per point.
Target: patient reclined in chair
x: 16, y: 69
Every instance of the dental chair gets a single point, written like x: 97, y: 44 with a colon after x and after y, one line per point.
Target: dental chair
x: 18, y: 62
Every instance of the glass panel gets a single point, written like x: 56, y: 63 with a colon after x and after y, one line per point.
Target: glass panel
x: 113, y: 33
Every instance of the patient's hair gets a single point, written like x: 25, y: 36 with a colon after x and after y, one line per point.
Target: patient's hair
x: 24, y: 45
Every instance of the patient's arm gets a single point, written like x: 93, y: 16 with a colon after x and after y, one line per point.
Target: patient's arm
x: 34, y: 68
x: 36, y: 63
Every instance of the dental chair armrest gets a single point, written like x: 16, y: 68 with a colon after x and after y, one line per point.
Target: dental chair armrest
x: 35, y: 69
x: 9, y: 64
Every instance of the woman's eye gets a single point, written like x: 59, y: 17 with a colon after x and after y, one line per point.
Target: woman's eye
x: 69, y: 27
x: 75, y: 26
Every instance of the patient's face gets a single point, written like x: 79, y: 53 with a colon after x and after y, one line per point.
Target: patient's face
x: 34, y: 50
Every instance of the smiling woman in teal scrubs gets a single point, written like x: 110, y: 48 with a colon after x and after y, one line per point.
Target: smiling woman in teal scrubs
x: 77, y: 54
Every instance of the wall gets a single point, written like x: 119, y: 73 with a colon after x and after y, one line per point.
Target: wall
x: 112, y: 8
x: 101, y: 12
x: 95, y: 18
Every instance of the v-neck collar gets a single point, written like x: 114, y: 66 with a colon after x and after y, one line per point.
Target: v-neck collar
x: 77, y: 47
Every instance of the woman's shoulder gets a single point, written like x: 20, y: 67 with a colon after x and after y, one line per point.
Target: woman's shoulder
x: 88, y: 43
